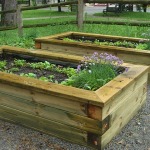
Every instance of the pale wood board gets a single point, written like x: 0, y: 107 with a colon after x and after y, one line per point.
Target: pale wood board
x: 121, y: 82
x: 44, y: 125
x: 50, y: 113
x: 108, y: 36
x: 72, y: 50
x: 116, y: 128
x: 46, y: 99
x: 127, y: 105
x: 118, y: 100
x: 40, y: 39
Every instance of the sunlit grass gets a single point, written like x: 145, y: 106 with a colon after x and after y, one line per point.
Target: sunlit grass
x: 44, y: 13
x: 139, y: 16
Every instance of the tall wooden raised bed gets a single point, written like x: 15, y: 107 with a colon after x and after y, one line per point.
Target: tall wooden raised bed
x: 56, y: 44
x: 90, y: 118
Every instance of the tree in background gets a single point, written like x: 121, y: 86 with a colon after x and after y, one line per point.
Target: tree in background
x: 33, y: 3
x: 9, y: 19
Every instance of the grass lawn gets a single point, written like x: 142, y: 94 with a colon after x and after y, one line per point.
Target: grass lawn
x: 48, y: 20
x: 27, y: 41
x: 125, y: 16
x: 10, y: 37
x: 44, y: 13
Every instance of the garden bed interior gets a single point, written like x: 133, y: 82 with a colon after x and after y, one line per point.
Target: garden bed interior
x: 56, y: 44
x: 90, y: 118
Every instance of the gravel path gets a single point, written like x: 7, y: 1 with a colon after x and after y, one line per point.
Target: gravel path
x: 135, y: 136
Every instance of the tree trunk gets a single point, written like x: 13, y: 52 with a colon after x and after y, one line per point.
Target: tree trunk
x: 44, y: 1
x: 59, y: 7
x: 9, y: 19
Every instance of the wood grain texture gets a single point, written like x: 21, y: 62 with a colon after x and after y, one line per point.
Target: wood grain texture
x: 44, y: 125
x: 123, y: 120
x: 125, y: 94
x: 60, y: 35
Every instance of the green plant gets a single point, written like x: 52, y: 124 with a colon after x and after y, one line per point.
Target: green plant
x: 19, y: 62
x: 95, y: 71
x: 31, y: 75
x: 143, y: 46
x: 42, y: 65
x: 44, y: 79
x: 69, y: 40
x: 14, y: 69
x: 51, y: 77
x: 2, y: 65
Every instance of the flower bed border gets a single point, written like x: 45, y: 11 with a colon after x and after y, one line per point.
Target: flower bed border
x: 130, y: 55
x: 90, y: 118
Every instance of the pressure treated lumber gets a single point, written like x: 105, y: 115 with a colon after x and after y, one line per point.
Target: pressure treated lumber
x: 90, y: 118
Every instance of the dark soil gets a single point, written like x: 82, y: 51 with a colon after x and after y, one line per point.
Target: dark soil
x: 59, y: 77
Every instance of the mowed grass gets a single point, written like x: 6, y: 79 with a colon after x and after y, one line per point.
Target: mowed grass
x: 49, y: 20
x: 10, y: 37
x: 139, y: 16
x: 45, y: 13
x: 27, y: 41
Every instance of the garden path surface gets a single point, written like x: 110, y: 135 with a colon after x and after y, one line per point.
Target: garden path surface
x: 134, y: 136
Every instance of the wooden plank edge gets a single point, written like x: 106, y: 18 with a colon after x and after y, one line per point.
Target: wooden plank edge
x: 43, y: 54
x: 98, y: 47
x: 128, y: 118
x: 140, y: 72
x: 17, y: 114
x: 40, y: 39
x: 109, y: 36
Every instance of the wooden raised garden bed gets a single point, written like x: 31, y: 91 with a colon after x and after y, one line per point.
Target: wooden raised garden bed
x: 56, y: 43
x: 90, y: 118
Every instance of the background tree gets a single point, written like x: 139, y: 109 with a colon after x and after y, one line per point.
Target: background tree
x: 9, y: 19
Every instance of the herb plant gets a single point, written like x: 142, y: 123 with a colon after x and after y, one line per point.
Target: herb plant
x: 95, y: 71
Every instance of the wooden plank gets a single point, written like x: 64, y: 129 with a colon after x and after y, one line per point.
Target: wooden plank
x: 51, y: 113
x: 41, y: 54
x: 58, y: 90
x: 117, y: 101
x: 120, y: 83
x: 96, y: 47
x: 128, y: 104
x: 116, y: 128
x: 60, y: 35
x: 44, y: 125
x: 45, y: 99
x: 112, y: 37
x: 92, y: 35
x: 132, y: 58
x: 71, y: 50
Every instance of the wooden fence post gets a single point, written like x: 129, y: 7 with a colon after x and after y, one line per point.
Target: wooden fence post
x: 19, y: 21
x: 80, y: 14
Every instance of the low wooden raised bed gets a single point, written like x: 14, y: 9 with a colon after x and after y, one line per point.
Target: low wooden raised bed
x: 56, y: 44
x: 90, y: 118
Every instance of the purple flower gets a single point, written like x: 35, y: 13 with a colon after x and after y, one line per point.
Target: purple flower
x: 78, y: 68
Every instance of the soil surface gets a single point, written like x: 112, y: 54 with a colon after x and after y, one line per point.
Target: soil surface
x: 134, y: 136
x: 57, y: 76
